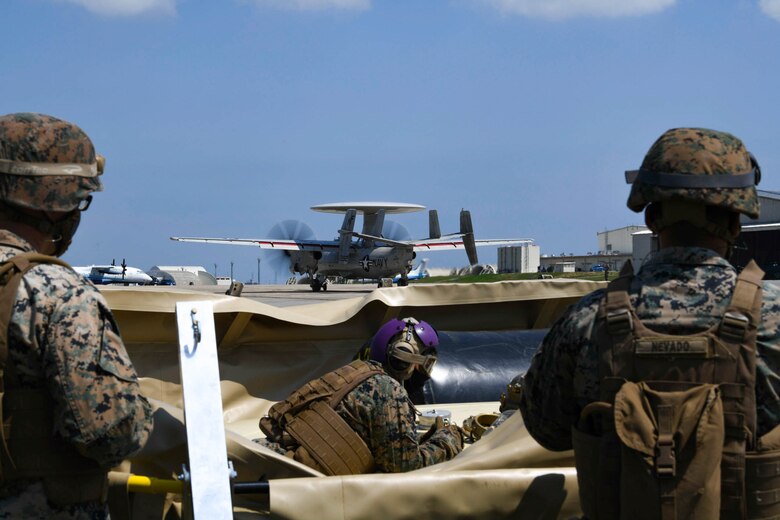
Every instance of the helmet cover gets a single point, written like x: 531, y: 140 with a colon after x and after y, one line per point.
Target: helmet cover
x: 697, y: 165
x: 46, y: 163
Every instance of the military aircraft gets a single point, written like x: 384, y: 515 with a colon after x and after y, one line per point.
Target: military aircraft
x: 370, y: 253
x: 114, y: 274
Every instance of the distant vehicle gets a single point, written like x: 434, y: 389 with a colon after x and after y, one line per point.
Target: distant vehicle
x: 162, y: 280
x: 417, y: 273
x: 598, y: 267
x: 114, y: 274
x: 369, y: 254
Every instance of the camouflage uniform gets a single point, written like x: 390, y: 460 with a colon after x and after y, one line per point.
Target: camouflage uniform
x: 62, y: 336
x: 678, y: 291
x: 380, y: 411
x: 692, y: 285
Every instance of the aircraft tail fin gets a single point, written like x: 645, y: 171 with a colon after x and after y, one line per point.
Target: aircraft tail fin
x: 422, y: 267
x: 434, y: 231
x: 379, y: 223
x: 467, y: 230
x: 345, y: 234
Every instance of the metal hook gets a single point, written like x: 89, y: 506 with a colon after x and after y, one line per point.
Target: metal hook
x: 195, y: 332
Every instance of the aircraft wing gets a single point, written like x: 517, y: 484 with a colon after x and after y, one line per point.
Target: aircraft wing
x: 264, y: 243
x: 456, y: 242
x: 107, y: 269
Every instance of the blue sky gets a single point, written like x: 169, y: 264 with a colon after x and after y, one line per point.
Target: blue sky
x: 222, y: 118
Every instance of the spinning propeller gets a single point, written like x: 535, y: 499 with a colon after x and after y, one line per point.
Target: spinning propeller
x: 395, y: 231
x: 123, y: 265
x: 279, y: 261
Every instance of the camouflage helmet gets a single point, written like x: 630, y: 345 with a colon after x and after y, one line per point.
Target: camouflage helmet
x: 46, y: 163
x: 700, y: 166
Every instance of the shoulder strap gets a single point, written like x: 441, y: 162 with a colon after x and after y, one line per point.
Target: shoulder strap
x: 353, y: 374
x: 617, y: 304
x: 744, y: 310
x: 11, y: 273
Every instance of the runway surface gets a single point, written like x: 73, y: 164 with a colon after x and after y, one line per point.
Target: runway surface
x: 288, y: 295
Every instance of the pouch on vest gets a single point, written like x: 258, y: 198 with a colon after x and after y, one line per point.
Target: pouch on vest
x: 597, y: 458
x: 762, y: 477
x: 330, y: 441
x: 671, y: 449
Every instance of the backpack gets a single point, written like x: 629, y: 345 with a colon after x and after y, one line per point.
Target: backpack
x: 673, y: 435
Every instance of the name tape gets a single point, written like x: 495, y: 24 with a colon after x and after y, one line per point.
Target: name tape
x: 672, y: 347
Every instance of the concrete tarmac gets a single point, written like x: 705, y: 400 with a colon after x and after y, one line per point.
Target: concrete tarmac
x: 288, y: 295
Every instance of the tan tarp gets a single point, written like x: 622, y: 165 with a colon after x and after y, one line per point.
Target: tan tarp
x: 266, y: 352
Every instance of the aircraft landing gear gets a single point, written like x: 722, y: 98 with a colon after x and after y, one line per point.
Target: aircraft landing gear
x: 318, y: 284
x: 403, y: 281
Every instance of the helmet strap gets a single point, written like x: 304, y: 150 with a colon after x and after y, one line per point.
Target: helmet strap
x: 67, y: 229
x: 61, y: 232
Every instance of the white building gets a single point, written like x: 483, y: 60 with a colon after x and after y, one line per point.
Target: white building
x: 618, y: 240
x: 518, y: 259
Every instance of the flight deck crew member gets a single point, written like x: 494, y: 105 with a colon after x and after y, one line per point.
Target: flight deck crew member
x: 667, y: 380
x: 72, y: 408
x: 364, y: 412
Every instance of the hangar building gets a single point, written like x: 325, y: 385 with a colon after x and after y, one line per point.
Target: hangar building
x: 760, y: 239
x: 183, y: 274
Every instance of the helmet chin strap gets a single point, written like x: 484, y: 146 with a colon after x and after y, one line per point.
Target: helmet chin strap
x: 66, y: 229
x: 61, y: 232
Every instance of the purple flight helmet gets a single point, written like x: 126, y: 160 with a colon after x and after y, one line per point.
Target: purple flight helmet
x: 402, y: 345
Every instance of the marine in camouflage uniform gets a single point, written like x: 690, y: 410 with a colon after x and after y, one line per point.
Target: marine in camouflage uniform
x: 62, y: 336
x: 693, y: 284
x: 379, y: 409
x: 678, y: 290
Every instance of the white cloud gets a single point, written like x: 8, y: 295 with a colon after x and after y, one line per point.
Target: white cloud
x: 560, y: 9
x: 128, y: 7
x: 771, y: 8
x: 315, y: 5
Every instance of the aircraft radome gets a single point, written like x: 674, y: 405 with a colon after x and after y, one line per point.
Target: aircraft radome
x: 370, y: 253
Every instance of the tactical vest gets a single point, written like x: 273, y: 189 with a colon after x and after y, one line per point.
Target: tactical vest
x: 674, y: 433
x: 307, y: 425
x: 29, y: 450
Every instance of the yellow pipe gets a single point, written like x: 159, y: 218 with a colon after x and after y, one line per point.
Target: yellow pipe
x: 141, y: 484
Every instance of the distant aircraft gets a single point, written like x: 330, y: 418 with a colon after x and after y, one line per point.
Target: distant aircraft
x: 417, y: 273
x: 370, y: 253
x: 114, y: 274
